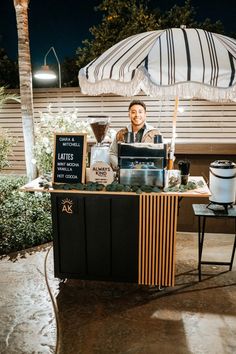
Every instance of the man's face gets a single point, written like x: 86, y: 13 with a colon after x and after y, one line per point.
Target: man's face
x: 137, y: 116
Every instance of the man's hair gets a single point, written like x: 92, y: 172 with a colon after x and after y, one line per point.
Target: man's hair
x: 140, y: 103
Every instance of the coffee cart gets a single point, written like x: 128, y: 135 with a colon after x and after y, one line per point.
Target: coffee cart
x: 116, y: 236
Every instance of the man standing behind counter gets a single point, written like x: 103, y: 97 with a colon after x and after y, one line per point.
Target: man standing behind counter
x: 143, y: 132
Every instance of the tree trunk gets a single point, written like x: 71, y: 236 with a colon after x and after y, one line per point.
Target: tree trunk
x: 26, y: 91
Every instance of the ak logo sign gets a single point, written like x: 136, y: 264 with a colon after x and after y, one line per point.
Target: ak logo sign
x: 67, y: 206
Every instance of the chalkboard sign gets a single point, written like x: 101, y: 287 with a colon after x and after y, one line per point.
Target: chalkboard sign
x: 69, y: 163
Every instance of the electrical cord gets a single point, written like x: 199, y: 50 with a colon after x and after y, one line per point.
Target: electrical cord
x: 54, y: 304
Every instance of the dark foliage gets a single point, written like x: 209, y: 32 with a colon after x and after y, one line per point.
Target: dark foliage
x: 25, y: 218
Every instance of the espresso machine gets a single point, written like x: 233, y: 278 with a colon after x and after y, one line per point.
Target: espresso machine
x: 142, y: 163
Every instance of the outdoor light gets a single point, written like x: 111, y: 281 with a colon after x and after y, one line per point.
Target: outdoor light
x: 181, y: 109
x: 45, y: 73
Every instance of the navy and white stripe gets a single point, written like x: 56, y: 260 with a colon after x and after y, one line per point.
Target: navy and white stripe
x: 165, y: 61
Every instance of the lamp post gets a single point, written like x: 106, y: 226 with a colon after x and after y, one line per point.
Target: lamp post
x: 45, y: 73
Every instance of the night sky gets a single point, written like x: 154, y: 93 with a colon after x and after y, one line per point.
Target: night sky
x: 63, y: 24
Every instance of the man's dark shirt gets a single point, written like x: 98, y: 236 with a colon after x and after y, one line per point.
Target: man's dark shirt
x: 139, y: 134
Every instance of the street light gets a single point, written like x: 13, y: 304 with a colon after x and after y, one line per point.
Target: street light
x: 45, y: 73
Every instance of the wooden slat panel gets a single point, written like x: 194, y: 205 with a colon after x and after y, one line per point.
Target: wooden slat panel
x: 157, y: 234
x: 206, y: 121
x: 212, y: 149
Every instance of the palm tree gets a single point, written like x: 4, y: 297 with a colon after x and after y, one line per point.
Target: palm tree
x: 26, y: 90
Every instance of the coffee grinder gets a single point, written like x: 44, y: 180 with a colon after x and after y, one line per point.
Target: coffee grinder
x: 99, y: 151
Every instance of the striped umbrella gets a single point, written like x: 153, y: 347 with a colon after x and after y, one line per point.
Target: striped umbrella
x: 188, y: 63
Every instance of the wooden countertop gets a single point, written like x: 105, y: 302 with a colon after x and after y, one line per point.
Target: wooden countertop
x: 204, y: 191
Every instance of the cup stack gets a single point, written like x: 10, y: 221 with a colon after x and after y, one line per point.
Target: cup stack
x: 184, y: 167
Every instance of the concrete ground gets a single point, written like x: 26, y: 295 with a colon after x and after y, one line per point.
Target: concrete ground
x: 38, y: 314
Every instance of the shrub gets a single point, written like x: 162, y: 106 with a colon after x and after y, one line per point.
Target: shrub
x: 8, y: 184
x: 25, y: 218
x: 6, y: 96
x: 61, y: 121
x: 6, y: 144
x: 51, y: 122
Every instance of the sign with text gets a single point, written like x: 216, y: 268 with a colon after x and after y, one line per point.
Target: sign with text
x: 69, y: 161
x: 101, y: 172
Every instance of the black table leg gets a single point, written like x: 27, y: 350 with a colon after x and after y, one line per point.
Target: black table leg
x: 234, y: 246
x: 201, y: 233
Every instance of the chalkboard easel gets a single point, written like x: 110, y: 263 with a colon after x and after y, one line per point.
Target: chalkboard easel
x: 69, y: 161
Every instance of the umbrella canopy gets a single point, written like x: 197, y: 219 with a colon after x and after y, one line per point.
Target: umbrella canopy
x: 188, y: 63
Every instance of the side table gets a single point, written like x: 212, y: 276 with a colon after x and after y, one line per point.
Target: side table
x: 202, y: 212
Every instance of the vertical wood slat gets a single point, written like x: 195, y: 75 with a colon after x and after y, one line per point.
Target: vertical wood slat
x: 157, y: 234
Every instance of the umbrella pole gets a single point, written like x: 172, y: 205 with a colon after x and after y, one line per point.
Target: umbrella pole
x: 172, y: 146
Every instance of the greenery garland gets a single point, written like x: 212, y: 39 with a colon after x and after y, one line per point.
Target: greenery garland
x: 118, y: 187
